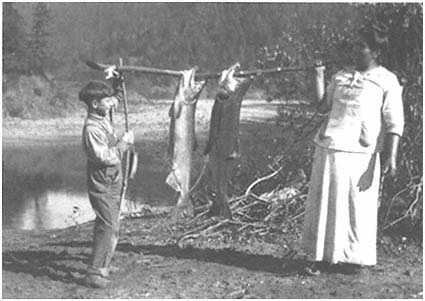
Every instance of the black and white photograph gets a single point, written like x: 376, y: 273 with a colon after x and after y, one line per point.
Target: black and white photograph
x: 212, y: 150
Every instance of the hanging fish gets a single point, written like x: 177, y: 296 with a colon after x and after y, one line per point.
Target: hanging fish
x: 223, y: 142
x: 182, y: 140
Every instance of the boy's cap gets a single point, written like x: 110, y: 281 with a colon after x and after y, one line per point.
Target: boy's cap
x: 95, y: 90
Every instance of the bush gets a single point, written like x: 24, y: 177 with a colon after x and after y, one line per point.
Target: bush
x: 32, y: 97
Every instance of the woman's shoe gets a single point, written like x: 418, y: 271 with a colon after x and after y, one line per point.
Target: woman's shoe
x: 312, y: 270
x: 350, y: 269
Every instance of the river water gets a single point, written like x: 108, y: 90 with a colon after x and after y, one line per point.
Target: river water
x: 44, y: 180
x: 44, y: 184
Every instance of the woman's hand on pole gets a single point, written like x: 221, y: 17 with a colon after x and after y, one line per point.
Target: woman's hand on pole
x: 319, y: 68
x: 319, y: 74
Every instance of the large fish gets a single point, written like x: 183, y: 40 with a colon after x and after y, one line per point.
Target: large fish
x: 182, y: 140
x: 223, y: 142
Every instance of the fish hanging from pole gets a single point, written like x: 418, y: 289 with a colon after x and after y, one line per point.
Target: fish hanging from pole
x: 182, y: 140
x: 223, y: 142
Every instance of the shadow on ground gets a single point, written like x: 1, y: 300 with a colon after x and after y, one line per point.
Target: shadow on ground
x: 46, y: 263
x: 285, y: 266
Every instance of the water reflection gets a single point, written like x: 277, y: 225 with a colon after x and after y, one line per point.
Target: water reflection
x: 41, y: 200
x: 53, y: 209
x: 43, y: 186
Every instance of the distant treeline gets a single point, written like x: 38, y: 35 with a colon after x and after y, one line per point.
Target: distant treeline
x: 171, y: 35
x: 55, y: 38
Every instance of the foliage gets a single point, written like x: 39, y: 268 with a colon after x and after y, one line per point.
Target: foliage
x: 14, y: 41
x: 39, y: 36
x: 32, y: 97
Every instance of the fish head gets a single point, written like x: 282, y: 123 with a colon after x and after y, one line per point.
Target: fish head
x: 228, y: 81
x: 189, y: 88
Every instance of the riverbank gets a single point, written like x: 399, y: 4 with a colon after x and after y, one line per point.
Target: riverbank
x: 44, y: 164
x: 52, y: 263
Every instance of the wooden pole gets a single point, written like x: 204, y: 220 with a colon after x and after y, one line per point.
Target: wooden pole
x: 126, y: 154
x: 201, y: 76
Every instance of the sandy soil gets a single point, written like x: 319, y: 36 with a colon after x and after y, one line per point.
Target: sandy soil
x: 51, y: 264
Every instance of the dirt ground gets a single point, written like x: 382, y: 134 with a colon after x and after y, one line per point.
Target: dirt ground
x: 51, y: 264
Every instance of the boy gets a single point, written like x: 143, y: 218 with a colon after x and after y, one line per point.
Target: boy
x: 104, y: 174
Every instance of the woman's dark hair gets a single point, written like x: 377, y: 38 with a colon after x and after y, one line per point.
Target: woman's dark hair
x: 375, y: 35
x: 94, y: 90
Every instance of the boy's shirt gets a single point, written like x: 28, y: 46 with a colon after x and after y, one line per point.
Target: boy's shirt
x: 100, y: 141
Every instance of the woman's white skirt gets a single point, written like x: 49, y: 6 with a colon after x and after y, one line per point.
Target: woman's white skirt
x: 342, y: 206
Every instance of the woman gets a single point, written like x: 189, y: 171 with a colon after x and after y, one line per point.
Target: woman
x: 365, y: 118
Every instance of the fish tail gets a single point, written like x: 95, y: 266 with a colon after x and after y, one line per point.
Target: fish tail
x: 173, y: 182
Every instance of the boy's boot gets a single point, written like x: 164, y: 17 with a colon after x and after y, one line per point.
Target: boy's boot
x: 97, y: 278
x: 96, y: 281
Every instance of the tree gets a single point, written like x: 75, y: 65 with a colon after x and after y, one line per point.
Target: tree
x: 39, y: 37
x: 14, y: 41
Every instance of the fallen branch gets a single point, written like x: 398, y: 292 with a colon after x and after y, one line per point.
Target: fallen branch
x: 241, y: 200
x: 246, y: 226
x: 199, y: 228
x: 269, y: 176
x: 259, y: 198
x: 191, y: 222
x: 216, y: 226
x: 409, y: 210
x: 246, y: 207
x: 297, y: 216
x: 281, y: 156
x: 392, y: 201
x: 203, y: 232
